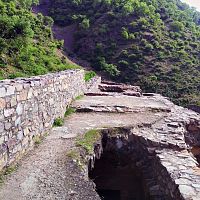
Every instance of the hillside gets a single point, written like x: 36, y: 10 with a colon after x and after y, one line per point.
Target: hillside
x: 27, y: 46
x: 155, y: 44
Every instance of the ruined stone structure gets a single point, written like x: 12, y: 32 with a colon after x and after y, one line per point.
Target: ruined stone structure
x: 149, y: 148
x: 28, y: 108
x: 165, y: 151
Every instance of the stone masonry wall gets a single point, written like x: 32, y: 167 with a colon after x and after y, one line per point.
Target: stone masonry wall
x: 29, y: 106
x: 158, y: 182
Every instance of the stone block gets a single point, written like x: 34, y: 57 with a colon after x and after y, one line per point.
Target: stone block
x: 22, y: 96
x: 2, y: 103
x: 1, y: 140
x: 13, y: 101
x: 11, y: 143
x: 2, y: 92
x: 19, y: 109
x: 26, y: 131
x: 19, y: 87
x: 30, y: 93
x: 18, y: 121
x: 10, y: 90
x: 8, y: 112
x: 8, y: 125
x: 20, y: 135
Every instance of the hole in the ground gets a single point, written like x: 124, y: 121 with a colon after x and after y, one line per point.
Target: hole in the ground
x: 126, y: 168
x: 192, y: 138
x: 196, y: 152
x: 117, y: 177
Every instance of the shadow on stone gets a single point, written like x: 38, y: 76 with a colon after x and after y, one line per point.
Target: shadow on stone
x: 117, y: 177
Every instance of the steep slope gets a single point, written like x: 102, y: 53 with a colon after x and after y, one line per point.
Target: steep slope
x: 27, y: 46
x: 151, y: 43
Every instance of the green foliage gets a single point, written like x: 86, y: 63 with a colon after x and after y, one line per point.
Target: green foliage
x: 111, y: 69
x: 6, y: 172
x: 37, y: 140
x: 177, y: 26
x: 85, y: 24
x: 27, y: 46
x: 58, y: 122
x: 79, y: 97
x: 154, y: 44
x: 88, y: 140
x: 69, y: 111
x: 125, y: 34
x: 89, y: 75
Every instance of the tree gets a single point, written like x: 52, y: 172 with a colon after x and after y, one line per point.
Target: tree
x: 85, y: 24
x: 177, y: 26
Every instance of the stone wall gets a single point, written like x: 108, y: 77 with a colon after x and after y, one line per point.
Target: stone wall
x: 29, y: 106
x: 158, y: 183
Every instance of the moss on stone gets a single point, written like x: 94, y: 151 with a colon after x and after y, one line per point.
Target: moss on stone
x: 79, y: 97
x: 69, y: 111
x: 88, y: 140
x: 58, y: 122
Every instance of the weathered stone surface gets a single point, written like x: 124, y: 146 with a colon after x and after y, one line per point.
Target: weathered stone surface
x: 19, y: 109
x: 163, y: 134
x: 29, y: 106
x: 2, y: 103
x: 8, y: 112
x: 10, y: 90
x: 1, y: 127
x: 22, y: 96
x: 187, y: 190
x: 2, y: 92
x: 120, y: 88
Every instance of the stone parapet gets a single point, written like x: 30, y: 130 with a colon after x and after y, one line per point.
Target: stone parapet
x: 28, y: 107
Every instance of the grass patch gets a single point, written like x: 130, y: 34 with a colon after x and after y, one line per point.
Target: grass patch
x: 69, y: 111
x: 37, y: 140
x: 76, y: 157
x: 89, y: 75
x: 73, y: 154
x: 58, y: 122
x: 7, y: 171
x: 79, y: 97
x: 88, y: 141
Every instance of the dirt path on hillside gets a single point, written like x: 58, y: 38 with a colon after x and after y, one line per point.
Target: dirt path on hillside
x: 66, y: 34
x: 60, y: 33
x: 63, y: 33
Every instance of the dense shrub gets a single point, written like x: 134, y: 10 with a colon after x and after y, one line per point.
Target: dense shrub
x: 27, y: 46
